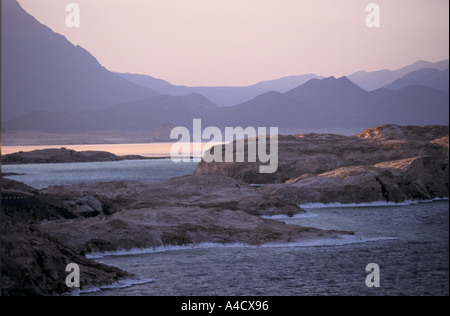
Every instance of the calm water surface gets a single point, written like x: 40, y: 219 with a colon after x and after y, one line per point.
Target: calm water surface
x: 43, y: 175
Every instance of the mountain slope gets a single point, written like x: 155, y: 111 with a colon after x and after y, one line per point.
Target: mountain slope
x: 338, y: 92
x: 429, y: 77
x: 413, y: 105
x: 271, y: 109
x: 374, y: 80
x: 43, y: 71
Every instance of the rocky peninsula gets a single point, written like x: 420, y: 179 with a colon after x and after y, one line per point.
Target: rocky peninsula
x: 63, y: 155
x: 388, y: 163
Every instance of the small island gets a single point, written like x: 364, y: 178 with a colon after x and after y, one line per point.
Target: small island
x: 64, y: 155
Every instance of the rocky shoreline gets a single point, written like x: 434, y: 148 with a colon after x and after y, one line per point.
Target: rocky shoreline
x: 44, y: 230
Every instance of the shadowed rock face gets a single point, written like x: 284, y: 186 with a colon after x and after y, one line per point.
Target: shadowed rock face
x: 33, y: 262
x: 386, y: 163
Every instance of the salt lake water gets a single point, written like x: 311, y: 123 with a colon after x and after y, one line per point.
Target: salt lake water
x: 409, y: 242
x: 43, y: 175
x: 414, y: 260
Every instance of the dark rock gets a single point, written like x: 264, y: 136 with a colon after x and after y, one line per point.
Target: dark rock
x: 33, y: 262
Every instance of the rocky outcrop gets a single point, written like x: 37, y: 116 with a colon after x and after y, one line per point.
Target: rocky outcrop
x: 62, y: 155
x: 33, y: 262
x: 179, y: 211
x: 47, y: 229
x: 386, y: 163
x: 427, y: 133
x: 186, y: 210
x: 419, y: 178
x: 189, y: 191
x: 318, y: 153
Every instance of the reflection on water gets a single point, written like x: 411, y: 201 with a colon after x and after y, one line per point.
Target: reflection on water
x: 146, y: 150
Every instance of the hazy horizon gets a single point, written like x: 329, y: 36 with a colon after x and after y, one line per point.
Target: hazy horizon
x: 243, y: 42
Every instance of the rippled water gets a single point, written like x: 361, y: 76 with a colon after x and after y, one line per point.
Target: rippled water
x: 416, y: 262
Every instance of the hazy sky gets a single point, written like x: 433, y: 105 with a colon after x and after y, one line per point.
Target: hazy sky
x: 241, y: 42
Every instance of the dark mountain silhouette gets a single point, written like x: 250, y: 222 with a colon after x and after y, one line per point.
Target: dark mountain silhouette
x: 229, y: 96
x: 338, y: 92
x: 336, y: 103
x: 43, y: 71
x: 135, y: 116
x: 269, y: 109
x: 326, y: 104
x: 377, y: 79
x: 429, y: 77
x: 222, y: 96
x: 413, y: 105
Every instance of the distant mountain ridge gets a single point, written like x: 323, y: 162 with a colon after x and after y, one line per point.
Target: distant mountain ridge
x: 43, y: 71
x: 333, y: 103
x: 371, y: 81
x: 222, y: 96
x: 229, y: 96
x: 327, y: 103
x: 429, y: 77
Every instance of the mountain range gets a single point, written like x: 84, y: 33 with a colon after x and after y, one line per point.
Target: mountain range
x: 332, y: 103
x: 327, y: 104
x: 378, y: 79
x: 228, y: 96
x: 222, y: 96
x: 429, y: 77
x: 50, y: 85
